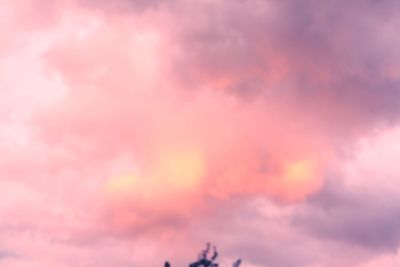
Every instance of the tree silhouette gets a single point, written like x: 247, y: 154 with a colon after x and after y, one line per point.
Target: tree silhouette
x: 204, y: 261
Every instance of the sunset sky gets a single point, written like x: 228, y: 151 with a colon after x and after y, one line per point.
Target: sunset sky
x: 135, y: 131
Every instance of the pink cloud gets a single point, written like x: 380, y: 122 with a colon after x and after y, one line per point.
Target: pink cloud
x: 141, y: 124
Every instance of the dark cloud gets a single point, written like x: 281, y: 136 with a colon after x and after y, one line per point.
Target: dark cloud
x: 329, y: 60
x: 369, y: 219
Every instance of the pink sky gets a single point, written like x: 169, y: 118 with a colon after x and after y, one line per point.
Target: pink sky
x: 135, y: 131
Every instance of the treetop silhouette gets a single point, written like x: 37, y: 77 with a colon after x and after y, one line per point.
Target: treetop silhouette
x: 204, y: 261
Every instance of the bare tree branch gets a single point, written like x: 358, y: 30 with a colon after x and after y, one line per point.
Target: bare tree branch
x: 203, y: 260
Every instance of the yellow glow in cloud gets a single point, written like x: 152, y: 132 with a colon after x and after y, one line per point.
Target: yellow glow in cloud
x: 121, y: 186
x: 181, y: 169
x: 301, y: 177
x: 173, y: 170
x: 299, y: 172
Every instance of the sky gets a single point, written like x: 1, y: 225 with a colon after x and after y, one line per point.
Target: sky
x: 135, y: 131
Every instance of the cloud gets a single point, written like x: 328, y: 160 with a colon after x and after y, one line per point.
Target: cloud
x: 306, y: 56
x: 286, y: 61
x: 158, y: 125
x: 360, y: 209
x: 149, y: 123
